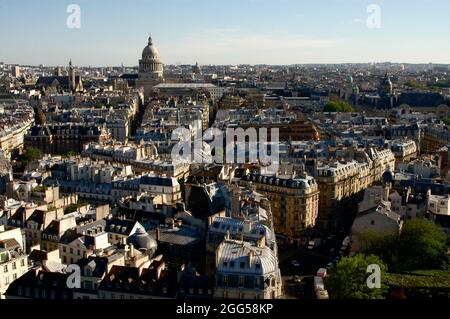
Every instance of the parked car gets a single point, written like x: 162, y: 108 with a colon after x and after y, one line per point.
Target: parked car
x: 314, y: 243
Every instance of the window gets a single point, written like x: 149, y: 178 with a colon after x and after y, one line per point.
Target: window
x: 14, y: 277
x: 14, y: 267
x: 5, y: 268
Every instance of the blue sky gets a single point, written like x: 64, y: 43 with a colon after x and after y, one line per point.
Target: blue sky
x: 224, y: 32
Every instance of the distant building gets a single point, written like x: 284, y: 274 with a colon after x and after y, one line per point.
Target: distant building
x: 61, y: 138
x: 16, y: 71
x: 71, y: 82
x: 188, y: 90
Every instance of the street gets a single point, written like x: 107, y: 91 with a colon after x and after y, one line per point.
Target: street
x: 299, y: 265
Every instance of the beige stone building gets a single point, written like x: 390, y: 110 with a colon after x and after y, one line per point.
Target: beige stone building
x: 294, y: 201
x: 13, y: 263
x: 341, y: 181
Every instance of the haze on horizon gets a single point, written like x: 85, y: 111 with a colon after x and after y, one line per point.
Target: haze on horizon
x: 282, y: 32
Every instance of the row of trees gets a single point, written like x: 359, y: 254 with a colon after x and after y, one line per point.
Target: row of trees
x: 420, y: 245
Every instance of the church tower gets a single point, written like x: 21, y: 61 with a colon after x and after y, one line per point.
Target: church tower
x: 72, y: 81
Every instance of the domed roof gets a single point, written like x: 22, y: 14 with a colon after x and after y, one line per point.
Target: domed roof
x: 141, y: 240
x: 150, y: 52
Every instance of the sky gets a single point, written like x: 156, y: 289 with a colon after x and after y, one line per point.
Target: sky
x: 113, y: 32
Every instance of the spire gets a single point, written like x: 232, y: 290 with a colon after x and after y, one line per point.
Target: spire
x: 150, y: 41
x: 70, y: 63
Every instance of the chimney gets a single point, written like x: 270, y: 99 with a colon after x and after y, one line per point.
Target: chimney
x: 159, y: 270
x: 261, y: 242
x: 251, y: 257
x: 247, y: 226
x: 131, y: 251
x: 386, y: 190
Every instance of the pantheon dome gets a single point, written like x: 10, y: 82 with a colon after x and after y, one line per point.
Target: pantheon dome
x: 151, y: 69
x: 150, y: 52
x: 151, y: 66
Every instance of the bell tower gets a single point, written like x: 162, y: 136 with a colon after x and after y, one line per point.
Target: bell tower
x: 72, y: 82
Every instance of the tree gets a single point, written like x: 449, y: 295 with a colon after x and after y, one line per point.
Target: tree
x: 422, y: 245
x: 446, y: 120
x: 338, y: 106
x: 382, y: 245
x: 71, y: 154
x: 30, y: 155
x: 349, y: 279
